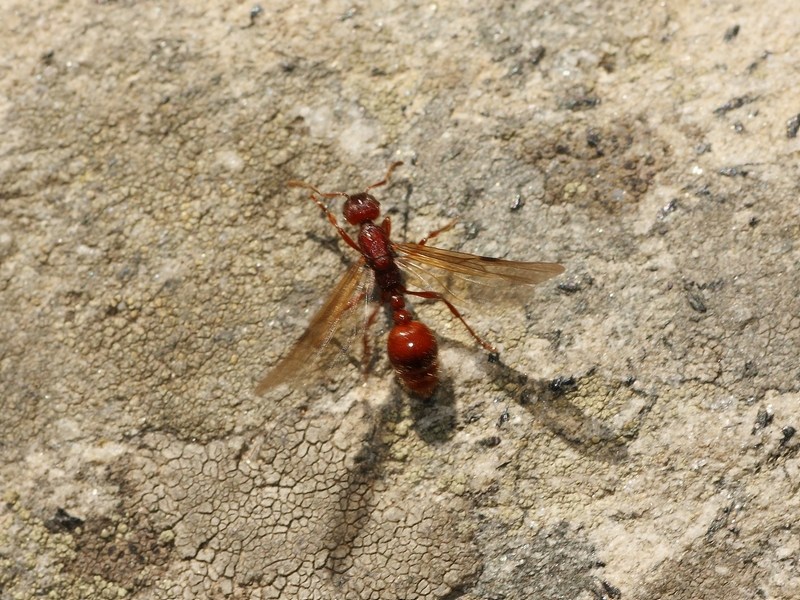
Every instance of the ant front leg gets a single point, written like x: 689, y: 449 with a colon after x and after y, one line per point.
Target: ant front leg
x: 332, y: 218
x: 436, y: 232
x: 437, y: 296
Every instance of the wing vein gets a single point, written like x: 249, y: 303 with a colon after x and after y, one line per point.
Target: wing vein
x: 319, y: 332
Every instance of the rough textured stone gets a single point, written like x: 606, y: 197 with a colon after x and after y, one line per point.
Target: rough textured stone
x: 638, y: 439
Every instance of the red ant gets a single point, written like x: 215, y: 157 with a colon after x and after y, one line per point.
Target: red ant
x: 412, y: 347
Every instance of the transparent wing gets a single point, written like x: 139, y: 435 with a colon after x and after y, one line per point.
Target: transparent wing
x: 341, y: 302
x: 487, y: 272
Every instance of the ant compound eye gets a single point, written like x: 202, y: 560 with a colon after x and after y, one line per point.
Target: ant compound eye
x: 360, y: 208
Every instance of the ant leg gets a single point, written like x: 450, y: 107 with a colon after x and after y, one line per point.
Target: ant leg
x: 386, y: 177
x: 387, y: 226
x: 331, y: 217
x: 436, y: 232
x: 454, y: 310
x: 354, y: 301
x: 367, y: 357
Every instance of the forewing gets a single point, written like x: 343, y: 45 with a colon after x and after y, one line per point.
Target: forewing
x: 484, y: 271
x: 342, y: 301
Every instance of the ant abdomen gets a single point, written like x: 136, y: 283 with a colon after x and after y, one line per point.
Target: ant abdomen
x: 413, y: 352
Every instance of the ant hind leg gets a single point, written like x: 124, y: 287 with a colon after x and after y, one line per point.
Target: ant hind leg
x: 437, y: 296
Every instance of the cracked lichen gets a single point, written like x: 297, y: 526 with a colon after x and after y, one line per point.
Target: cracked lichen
x: 152, y: 264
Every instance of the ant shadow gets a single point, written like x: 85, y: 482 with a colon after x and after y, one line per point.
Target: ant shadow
x: 435, y: 420
x: 553, y: 403
x: 556, y: 404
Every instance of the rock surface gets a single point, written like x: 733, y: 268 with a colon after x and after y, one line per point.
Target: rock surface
x: 638, y: 439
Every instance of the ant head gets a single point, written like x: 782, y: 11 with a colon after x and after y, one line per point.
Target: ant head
x: 360, y: 208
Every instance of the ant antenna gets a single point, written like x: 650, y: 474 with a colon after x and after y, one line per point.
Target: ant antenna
x: 386, y: 177
x: 292, y: 183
